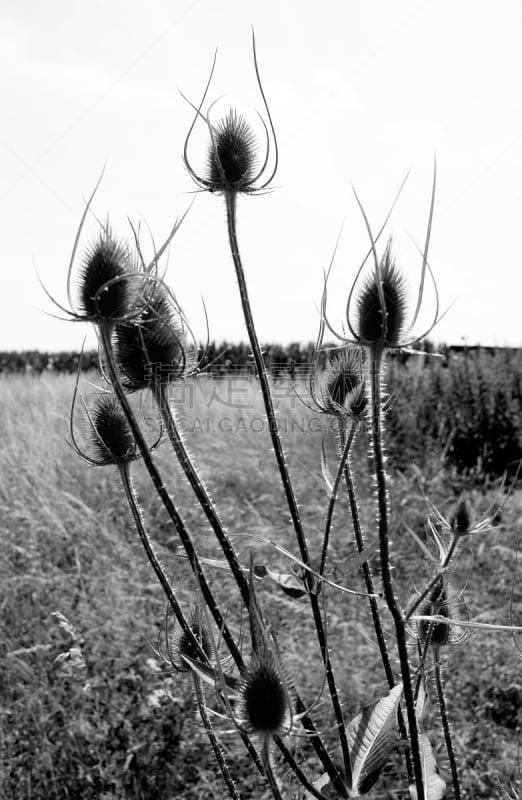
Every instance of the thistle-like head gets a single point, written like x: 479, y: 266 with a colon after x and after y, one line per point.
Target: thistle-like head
x: 108, y: 435
x: 441, y: 602
x: 152, y: 347
x: 378, y: 313
x: 342, y: 391
x: 181, y: 645
x: 106, y: 291
x: 265, y: 701
x: 234, y: 163
x: 381, y: 314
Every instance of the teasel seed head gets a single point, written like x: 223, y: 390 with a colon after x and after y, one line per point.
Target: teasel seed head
x: 107, y: 291
x: 181, y: 644
x: 265, y: 697
x: 443, y: 603
x: 461, y: 517
x: 232, y: 155
x: 152, y: 346
x: 111, y: 437
x: 342, y: 390
x: 378, y: 322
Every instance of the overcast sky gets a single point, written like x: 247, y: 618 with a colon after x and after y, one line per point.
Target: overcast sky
x: 360, y: 93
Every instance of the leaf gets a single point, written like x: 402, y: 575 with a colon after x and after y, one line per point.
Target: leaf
x: 325, y: 469
x: 434, y: 785
x: 371, y: 738
x: 258, y: 632
x: 288, y: 582
x: 421, y: 704
x: 210, y: 675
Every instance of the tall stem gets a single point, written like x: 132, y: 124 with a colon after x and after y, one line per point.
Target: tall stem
x: 375, y: 366
x: 178, y: 445
x: 445, y: 723
x: 230, y: 200
x: 157, y: 481
x: 154, y: 560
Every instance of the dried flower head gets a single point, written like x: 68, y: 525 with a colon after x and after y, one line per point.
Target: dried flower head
x: 441, y: 602
x: 265, y: 698
x: 181, y: 644
x: 382, y: 306
x: 342, y: 390
x: 108, y: 432
x: 152, y: 346
x: 378, y: 314
x: 233, y: 165
x: 232, y: 155
x: 106, y: 288
x: 461, y: 517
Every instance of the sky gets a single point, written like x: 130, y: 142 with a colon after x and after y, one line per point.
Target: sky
x: 361, y: 95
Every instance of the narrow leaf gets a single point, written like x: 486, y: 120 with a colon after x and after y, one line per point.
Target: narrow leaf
x: 372, y: 736
x: 434, y: 786
x: 287, y: 582
x: 210, y: 675
x: 325, y: 469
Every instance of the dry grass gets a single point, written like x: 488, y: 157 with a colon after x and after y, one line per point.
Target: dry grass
x: 118, y: 729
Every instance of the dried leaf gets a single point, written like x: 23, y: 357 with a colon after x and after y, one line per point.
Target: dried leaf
x: 325, y: 469
x: 210, y: 675
x: 372, y: 737
x: 434, y: 786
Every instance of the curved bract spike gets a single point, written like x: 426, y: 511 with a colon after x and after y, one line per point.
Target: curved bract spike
x: 372, y: 251
x: 267, y: 109
x: 426, y: 244
x: 198, y: 113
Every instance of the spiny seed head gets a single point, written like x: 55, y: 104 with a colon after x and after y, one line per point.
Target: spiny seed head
x: 442, y: 602
x: 375, y: 324
x: 105, y: 293
x: 460, y: 518
x: 151, y: 347
x: 265, y: 700
x: 342, y: 387
x: 110, y: 434
x: 232, y: 155
x: 182, y: 644
x: 434, y: 604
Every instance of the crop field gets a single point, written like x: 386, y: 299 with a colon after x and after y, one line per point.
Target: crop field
x: 88, y: 709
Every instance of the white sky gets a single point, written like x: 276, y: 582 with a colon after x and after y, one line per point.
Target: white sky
x: 360, y: 92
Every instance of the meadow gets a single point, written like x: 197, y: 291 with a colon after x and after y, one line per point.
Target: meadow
x: 88, y: 709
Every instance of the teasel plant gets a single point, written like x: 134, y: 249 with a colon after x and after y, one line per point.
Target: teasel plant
x: 233, y: 655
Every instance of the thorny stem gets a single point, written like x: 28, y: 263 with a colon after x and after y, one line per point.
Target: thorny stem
x: 436, y: 578
x: 267, y: 763
x: 178, y: 445
x: 365, y: 568
x: 218, y: 752
x: 185, y: 460
x: 375, y: 367
x: 105, y: 335
x: 345, y: 452
x: 153, y: 558
x: 368, y: 581
x: 296, y: 769
x: 340, y: 785
x: 445, y: 723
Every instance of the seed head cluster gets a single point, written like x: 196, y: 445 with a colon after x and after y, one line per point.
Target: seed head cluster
x: 151, y: 347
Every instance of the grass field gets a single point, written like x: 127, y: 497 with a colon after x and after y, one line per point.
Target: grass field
x: 106, y: 722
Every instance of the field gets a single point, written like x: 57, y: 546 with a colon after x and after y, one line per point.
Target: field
x: 88, y: 711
